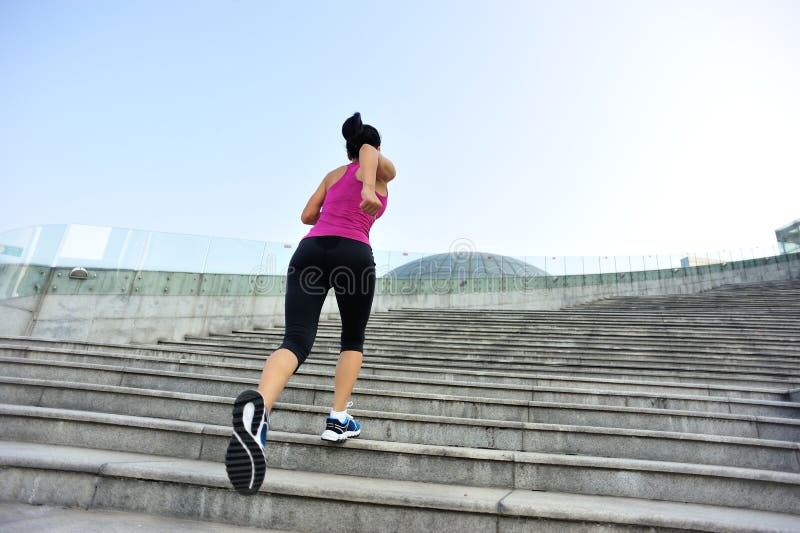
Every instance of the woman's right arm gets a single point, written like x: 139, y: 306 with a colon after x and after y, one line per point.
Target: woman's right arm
x: 386, y: 170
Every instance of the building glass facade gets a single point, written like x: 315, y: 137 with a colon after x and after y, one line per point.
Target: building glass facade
x: 789, y: 237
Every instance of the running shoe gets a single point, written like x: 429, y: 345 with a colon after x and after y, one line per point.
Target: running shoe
x: 244, y: 460
x: 337, y: 431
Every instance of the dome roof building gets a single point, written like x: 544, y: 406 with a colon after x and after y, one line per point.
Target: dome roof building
x: 463, y: 265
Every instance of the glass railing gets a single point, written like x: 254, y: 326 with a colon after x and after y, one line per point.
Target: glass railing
x: 130, y: 249
x: 121, y: 260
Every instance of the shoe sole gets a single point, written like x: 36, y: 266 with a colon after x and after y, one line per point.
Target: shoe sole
x: 244, y: 460
x: 331, y: 436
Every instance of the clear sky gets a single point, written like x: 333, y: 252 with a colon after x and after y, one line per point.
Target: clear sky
x: 528, y: 127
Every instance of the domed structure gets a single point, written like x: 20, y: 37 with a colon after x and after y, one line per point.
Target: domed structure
x: 462, y: 265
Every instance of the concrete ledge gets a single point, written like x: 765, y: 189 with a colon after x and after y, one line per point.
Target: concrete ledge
x: 199, y: 490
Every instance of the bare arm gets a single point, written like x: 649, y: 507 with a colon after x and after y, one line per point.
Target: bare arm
x: 311, y: 210
x: 368, y: 157
x: 386, y: 170
x: 368, y: 160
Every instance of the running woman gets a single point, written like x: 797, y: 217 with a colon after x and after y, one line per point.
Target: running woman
x: 336, y: 254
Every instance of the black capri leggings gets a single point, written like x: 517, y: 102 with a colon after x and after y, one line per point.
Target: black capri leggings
x: 318, y: 264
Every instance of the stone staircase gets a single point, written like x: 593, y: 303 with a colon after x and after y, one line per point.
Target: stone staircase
x: 637, y: 414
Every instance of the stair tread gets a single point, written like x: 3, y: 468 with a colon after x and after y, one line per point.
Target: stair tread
x: 411, y: 494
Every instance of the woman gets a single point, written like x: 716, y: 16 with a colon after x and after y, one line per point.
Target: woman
x: 336, y: 254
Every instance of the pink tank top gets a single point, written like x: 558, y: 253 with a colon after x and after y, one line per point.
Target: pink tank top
x: 340, y: 213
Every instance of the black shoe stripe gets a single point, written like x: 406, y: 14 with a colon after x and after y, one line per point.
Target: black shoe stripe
x: 241, y: 470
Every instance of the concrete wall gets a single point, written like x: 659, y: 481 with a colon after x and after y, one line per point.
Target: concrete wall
x: 146, y: 318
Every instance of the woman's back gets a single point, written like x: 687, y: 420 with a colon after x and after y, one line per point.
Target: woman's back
x: 341, y: 214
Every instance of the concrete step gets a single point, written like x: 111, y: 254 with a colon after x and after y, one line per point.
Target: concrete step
x: 404, y: 462
x: 705, y: 300
x: 517, y: 409
x: 241, y: 366
x: 616, y: 320
x: 269, y: 342
x: 721, y: 375
x: 572, y: 332
x: 771, y: 428
x: 403, y: 358
x: 731, y: 329
x: 485, y: 340
x: 483, y: 384
x: 292, y: 499
x: 422, y: 351
x: 23, y: 404
x: 715, y: 314
x: 331, y: 349
x: 330, y: 346
x: 515, y: 343
x: 610, y: 319
x: 23, y: 518
x: 509, y: 364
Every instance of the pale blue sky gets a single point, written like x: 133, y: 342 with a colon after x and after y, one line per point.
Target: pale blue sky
x: 592, y: 127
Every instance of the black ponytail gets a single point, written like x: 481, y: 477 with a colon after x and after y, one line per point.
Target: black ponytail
x: 357, y: 134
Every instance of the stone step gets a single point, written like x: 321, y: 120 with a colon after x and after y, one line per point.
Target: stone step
x: 730, y: 375
x: 725, y: 329
x: 330, y: 341
x: 706, y: 301
x: 379, y: 429
x: 23, y: 518
x: 546, y: 395
x: 550, y: 332
x: 510, y: 363
x: 328, y: 350
x: 737, y: 297
x: 659, y: 419
x: 588, y: 319
x: 471, y: 339
x: 619, y: 327
x: 382, y: 348
x: 710, y: 300
x: 543, y: 364
x: 405, y: 462
x: 480, y: 336
x: 420, y: 379
x: 104, y: 479
x: 714, y: 312
x: 237, y: 365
